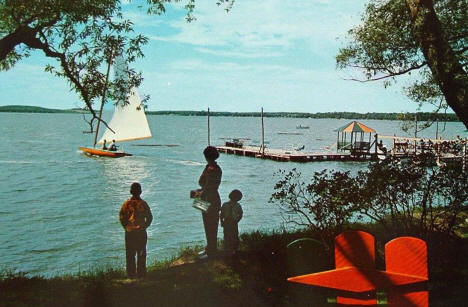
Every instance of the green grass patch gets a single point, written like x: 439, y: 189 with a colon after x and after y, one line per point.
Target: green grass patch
x: 256, y: 277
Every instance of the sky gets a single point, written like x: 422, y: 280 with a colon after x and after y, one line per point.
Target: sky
x: 275, y: 54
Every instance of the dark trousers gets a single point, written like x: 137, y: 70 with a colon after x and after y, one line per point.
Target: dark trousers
x: 135, y: 245
x: 231, y: 237
x: 210, y: 222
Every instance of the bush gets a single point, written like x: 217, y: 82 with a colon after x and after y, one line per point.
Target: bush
x: 406, y: 197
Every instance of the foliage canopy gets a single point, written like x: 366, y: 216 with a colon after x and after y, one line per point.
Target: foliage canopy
x: 82, y: 36
x: 427, y: 39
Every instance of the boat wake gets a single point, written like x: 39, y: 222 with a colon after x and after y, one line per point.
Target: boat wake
x: 18, y: 162
x: 185, y: 162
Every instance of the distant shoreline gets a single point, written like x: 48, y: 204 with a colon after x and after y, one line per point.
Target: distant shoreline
x: 422, y: 116
x: 33, y: 109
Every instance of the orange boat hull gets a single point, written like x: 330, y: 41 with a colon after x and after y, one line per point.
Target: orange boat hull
x: 103, y: 153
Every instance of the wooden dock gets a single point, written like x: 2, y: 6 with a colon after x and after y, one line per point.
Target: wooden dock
x: 291, y: 155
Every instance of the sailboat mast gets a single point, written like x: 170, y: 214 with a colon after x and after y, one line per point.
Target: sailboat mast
x: 208, y: 126
x: 263, y: 136
x: 109, y: 62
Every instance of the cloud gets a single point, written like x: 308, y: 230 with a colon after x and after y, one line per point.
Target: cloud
x: 229, y: 86
x: 251, y: 55
x: 267, y: 24
x: 274, y: 54
x: 141, y: 19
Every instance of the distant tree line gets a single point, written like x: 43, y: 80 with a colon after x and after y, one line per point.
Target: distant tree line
x: 33, y: 109
x: 421, y: 116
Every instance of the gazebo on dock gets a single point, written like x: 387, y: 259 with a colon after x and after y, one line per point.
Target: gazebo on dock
x: 357, y: 132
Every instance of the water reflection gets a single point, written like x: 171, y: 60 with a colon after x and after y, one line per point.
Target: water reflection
x: 127, y: 170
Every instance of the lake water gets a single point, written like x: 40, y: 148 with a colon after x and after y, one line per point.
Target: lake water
x: 59, y: 208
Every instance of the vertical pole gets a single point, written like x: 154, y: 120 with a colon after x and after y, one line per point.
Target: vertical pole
x: 109, y: 62
x: 464, y: 155
x: 263, y: 136
x: 375, y: 145
x: 437, y: 128
x: 343, y: 142
x: 337, y: 141
x: 208, y: 126
x: 415, y: 131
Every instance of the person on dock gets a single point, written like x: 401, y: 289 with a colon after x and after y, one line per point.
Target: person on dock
x: 104, y: 145
x: 231, y: 214
x: 113, y: 147
x: 382, y: 147
x: 135, y: 216
x: 209, y: 182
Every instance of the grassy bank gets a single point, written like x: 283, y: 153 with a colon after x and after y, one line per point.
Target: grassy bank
x: 257, y: 277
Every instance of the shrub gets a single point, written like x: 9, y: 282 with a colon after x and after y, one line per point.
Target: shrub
x: 407, y: 197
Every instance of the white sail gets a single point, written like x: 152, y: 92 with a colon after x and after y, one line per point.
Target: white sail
x: 128, y: 121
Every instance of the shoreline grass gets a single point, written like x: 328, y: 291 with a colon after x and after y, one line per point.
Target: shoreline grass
x: 257, y: 277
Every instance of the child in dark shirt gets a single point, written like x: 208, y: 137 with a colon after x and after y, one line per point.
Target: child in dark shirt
x: 231, y: 214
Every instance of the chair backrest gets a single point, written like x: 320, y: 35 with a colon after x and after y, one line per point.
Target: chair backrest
x: 355, y: 248
x: 407, y: 255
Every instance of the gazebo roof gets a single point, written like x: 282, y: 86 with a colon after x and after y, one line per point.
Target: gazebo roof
x: 355, y: 126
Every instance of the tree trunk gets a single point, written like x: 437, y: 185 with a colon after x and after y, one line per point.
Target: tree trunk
x: 444, y: 65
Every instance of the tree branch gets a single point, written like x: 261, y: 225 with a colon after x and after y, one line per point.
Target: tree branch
x: 391, y: 74
x: 33, y: 42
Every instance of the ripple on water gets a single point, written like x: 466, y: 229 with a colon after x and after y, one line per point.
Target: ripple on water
x: 47, y: 250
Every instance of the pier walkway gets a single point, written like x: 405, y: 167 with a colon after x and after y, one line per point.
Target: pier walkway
x: 282, y: 155
x: 291, y: 155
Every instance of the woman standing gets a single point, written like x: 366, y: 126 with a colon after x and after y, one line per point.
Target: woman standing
x: 209, y: 181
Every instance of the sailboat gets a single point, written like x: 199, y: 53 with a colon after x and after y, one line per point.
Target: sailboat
x: 128, y: 123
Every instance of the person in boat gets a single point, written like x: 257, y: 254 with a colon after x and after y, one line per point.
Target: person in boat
x: 209, y: 182
x: 135, y: 216
x: 104, y: 145
x: 231, y: 214
x: 113, y: 147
